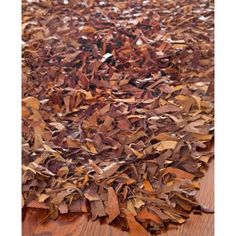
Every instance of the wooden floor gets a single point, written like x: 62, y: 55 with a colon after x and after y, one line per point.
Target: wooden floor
x: 75, y: 225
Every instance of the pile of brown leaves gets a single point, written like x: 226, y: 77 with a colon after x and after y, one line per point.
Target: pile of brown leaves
x: 117, y: 108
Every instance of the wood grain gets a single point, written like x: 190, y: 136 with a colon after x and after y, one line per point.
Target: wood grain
x: 80, y: 225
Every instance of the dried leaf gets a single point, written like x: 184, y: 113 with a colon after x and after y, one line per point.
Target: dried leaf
x: 179, y: 173
x: 164, y: 145
x: 110, y: 169
x: 144, y: 214
x: 78, y: 206
x: 42, y: 197
x: 87, y: 29
x: 130, y: 207
x: 58, y: 126
x: 63, y: 171
x: 167, y: 108
x: 32, y: 102
x: 91, y: 193
x: 95, y: 167
x: 135, y: 228
x: 63, y: 208
x: 112, y: 208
